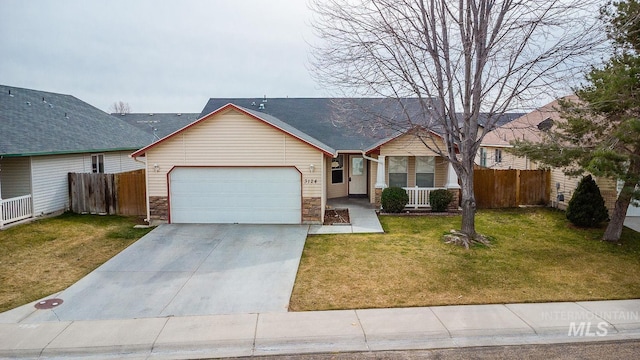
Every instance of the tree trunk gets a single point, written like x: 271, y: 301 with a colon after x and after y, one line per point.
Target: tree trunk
x: 614, y: 229
x: 468, y: 205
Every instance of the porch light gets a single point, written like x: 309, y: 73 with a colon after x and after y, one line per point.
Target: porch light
x: 312, y: 168
x: 156, y: 167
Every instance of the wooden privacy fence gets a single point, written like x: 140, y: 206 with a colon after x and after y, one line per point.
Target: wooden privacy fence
x: 113, y: 194
x: 511, y: 188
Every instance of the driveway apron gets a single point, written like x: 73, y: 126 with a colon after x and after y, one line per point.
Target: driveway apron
x: 190, y: 269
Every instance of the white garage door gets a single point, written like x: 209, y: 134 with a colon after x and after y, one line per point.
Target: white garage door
x: 235, y: 195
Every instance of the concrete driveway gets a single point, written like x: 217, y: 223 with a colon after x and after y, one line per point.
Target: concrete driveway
x: 189, y: 269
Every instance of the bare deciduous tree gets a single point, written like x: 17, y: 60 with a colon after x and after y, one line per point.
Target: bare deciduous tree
x: 473, y: 59
x: 120, y: 107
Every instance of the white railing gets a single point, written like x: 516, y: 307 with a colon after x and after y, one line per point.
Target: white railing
x: 418, y: 196
x: 15, y: 209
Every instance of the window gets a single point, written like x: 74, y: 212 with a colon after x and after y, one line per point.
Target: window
x: 483, y: 157
x: 398, y: 171
x: 337, y: 170
x: 357, y: 166
x: 97, y: 163
x: 425, y: 171
x: 498, y: 156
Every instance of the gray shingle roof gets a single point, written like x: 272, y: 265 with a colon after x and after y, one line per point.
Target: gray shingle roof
x: 36, y: 122
x: 344, y: 123
x: 159, y: 125
x: 336, y: 122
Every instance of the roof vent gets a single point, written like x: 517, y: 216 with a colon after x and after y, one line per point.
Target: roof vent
x: 261, y: 107
x: 51, y: 106
x: 66, y: 116
x: 123, y: 114
x: 179, y: 114
x: 151, y: 114
x: 265, y: 99
x: 43, y: 100
x: 28, y: 103
x: 545, y: 125
x: 253, y: 103
x: 10, y: 94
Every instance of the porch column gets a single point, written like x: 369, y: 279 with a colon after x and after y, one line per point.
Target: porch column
x: 380, y: 178
x: 452, y: 178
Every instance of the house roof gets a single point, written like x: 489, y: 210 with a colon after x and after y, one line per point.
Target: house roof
x: 266, y: 118
x: 348, y: 124
x: 527, y: 127
x: 34, y: 122
x: 159, y: 125
x: 330, y: 124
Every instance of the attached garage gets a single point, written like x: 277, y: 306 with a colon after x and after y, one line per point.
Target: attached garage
x: 249, y: 195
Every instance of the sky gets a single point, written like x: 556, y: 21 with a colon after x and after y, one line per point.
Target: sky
x: 157, y: 55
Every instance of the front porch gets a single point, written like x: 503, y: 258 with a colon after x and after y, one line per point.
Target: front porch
x: 15, y: 209
x: 16, y: 201
x: 419, y: 197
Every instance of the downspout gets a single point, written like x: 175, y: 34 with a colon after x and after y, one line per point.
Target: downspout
x: 146, y: 185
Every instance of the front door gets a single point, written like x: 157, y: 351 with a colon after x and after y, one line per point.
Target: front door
x: 357, y: 176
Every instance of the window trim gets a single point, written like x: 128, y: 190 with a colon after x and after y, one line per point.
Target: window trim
x: 483, y: 157
x: 341, y: 169
x: 498, y: 156
x: 406, y: 159
x: 434, y: 171
x: 97, y: 166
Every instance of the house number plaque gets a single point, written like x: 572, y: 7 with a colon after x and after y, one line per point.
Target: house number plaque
x: 310, y: 181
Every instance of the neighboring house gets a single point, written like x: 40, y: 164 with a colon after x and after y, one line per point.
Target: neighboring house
x: 280, y: 160
x: 159, y: 125
x: 533, y: 127
x: 43, y: 137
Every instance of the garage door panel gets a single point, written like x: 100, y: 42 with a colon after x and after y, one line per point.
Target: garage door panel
x: 235, y: 195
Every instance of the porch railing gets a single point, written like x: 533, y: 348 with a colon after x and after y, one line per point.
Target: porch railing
x: 419, y: 196
x: 15, y: 209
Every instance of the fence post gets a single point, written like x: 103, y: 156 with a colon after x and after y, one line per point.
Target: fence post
x: 518, y: 183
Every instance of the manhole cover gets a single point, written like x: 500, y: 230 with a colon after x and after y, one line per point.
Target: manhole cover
x: 48, y: 304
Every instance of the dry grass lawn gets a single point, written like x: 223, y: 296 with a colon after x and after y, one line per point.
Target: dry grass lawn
x: 536, y: 256
x: 46, y: 256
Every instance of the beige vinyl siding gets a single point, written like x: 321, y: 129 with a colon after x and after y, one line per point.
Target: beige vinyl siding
x: 509, y: 161
x: 234, y: 139
x: 567, y: 187
x: 15, y: 177
x: 408, y: 145
x: 569, y: 184
x: 50, y: 181
x: 442, y: 166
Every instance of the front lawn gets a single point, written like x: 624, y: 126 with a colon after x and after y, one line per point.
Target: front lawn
x: 536, y: 256
x: 46, y: 256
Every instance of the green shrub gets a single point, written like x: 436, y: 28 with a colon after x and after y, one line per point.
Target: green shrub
x: 440, y: 200
x: 586, y: 207
x: 394, y: 199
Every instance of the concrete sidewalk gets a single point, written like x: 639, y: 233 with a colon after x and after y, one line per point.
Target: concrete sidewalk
x: 364, y: 219
x: 322, y: 331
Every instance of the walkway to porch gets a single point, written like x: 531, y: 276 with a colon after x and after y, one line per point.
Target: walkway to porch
x: 361, y: 212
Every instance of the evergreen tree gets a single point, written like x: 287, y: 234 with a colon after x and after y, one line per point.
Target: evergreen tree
x: 586, y: 207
